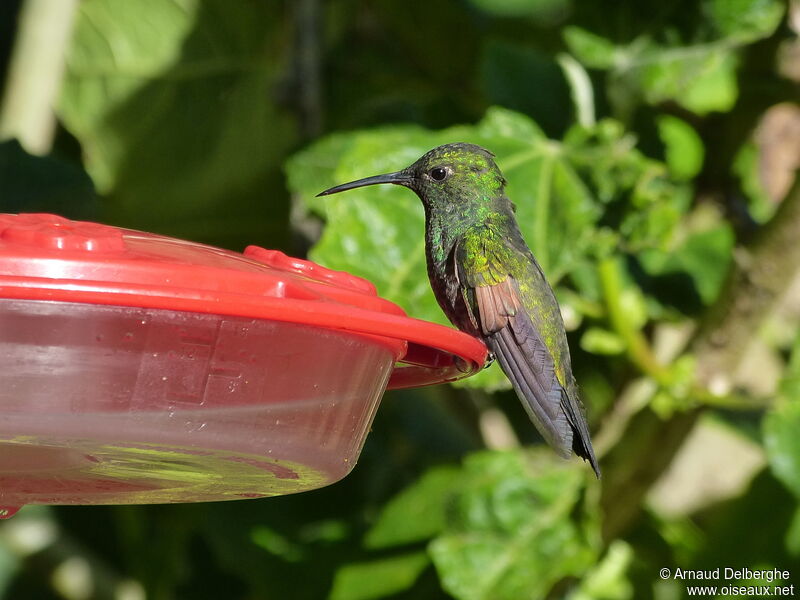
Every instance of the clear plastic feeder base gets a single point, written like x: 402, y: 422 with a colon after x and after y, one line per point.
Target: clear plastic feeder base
x: 113, y: 405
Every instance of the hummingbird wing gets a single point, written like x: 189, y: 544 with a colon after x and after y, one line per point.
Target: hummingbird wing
x: 511, y: 333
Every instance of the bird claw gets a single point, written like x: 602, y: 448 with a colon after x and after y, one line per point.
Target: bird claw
x: 489, y: 360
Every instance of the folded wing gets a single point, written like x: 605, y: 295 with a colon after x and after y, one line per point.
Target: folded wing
x: 522, y: 354
x: 510, y: 332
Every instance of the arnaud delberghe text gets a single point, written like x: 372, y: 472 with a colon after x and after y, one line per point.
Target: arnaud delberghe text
x: 728, y: 573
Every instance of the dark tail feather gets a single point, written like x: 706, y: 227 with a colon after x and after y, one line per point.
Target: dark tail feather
x: 582, y: 442
x: 533, y: 378
x: 527, y: 363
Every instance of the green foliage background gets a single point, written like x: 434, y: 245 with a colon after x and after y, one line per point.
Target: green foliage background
x: 626, y: 133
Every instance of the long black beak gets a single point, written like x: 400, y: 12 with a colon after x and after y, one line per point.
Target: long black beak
x: 399, y: 178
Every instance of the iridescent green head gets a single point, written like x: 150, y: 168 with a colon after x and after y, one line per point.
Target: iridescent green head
x: 449, y: 176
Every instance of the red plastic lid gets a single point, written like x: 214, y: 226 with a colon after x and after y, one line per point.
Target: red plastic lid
x: 47, y: 257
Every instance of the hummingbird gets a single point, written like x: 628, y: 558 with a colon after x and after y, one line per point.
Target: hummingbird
x: 488, y: 283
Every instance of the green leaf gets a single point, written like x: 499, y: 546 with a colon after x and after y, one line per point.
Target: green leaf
x: 587, y: 281
x: 602, y: 341
x: 277, y: 544
x: 781, y: 425
x: 746, y: 168
x: 608, y: 579
x: 641, y: 199
x: 702, y: 79
x: 172, y: 111
x: 745, y: 20
x: 511, y: 533
x: 592, y: 50
x: 633, y: 304
x: 715, y: 86
x: 683, y: 146
x: 703, y: 256
x: 378, y: 578
x: 417, y: 513
x: 676, y: 395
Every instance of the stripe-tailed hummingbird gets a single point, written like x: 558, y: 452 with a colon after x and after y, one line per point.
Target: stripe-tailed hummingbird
x: 489, y: 284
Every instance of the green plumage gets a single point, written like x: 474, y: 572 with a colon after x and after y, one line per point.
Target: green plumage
x: 489, y: 284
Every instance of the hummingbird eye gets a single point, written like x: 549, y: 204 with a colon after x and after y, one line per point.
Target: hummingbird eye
x: 439, y: 173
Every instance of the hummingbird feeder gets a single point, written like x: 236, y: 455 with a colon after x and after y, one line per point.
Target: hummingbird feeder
x: 138, y: 368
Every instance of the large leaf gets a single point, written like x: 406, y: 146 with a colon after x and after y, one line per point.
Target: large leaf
x: 417, y: 513
x: 510, y: 533
x: 377, y: 232
x: 504, y: 525
x: 170, y: 100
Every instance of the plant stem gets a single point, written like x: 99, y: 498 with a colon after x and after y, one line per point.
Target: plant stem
x: 35, y: 72
x: 638, y: 348
x: 581, y: 87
